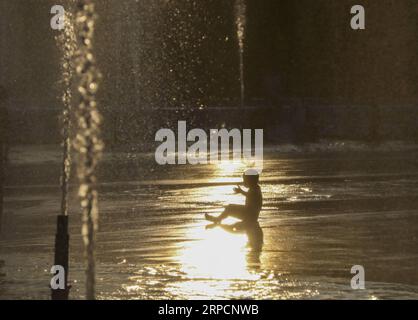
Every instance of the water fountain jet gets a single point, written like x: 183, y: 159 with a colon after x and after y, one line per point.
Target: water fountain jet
x: 66, y: 42
x: 88, y: 142
x: 240, y: 9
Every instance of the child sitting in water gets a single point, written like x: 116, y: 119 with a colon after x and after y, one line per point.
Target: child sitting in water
x: 249, y: 212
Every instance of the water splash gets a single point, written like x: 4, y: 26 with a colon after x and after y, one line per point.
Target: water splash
x: 88, y: 142
x: 241, y: 21
x: 67, y: 43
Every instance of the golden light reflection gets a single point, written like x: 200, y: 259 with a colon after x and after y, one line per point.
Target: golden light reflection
x: 228, y: 171
x: 215, y: 254
x: 229, y: 167
x: 219, y: 196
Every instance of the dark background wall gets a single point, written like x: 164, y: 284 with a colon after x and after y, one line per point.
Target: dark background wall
x: 182, y: 55
x: 311, y: 48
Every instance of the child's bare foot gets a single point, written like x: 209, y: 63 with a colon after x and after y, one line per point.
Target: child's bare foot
x: 211, y: 226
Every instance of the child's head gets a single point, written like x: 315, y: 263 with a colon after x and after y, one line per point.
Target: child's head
x: 251, y: 178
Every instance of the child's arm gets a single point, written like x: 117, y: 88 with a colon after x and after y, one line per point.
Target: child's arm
x: 238, y: 189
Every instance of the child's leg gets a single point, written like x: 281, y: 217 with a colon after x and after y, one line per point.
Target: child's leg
x: 235, y: 211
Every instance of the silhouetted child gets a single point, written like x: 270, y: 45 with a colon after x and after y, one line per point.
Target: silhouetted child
x: 249, y: 212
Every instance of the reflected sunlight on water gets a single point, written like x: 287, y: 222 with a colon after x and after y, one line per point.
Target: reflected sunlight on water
x: 218, y: 196
x: 214, y: 254
x: 213, y: 262
x: 228, y: 171
x: 229, y: 167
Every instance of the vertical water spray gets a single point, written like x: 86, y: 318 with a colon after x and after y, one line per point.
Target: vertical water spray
x: 66, y: 42
x: 241, y: 21
x: 88, y: 142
